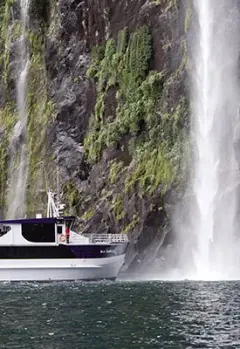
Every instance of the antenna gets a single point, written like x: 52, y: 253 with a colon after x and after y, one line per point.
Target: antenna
x: 58, y: 185
x: 54, y: 209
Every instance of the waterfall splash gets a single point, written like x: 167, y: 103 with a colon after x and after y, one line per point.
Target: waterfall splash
x: 215, y: 100
x: 18, y: 168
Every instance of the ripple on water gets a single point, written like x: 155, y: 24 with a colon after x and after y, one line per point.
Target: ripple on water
x: 121, y: 315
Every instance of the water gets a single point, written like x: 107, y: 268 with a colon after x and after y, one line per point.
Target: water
x: 18, y: 167
x: 206, y: 176
x: 121, y: 315
x: 211, y: 223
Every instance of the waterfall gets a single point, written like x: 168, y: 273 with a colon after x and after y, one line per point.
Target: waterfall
x: 18, y: 167
x: 215, y: 99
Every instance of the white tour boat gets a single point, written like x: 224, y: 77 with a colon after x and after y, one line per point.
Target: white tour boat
x: 47, y: 249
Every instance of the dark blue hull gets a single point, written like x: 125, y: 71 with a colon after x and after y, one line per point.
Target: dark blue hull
x: 62, y: 251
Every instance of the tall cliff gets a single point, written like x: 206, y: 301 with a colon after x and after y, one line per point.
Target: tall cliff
x: 107, y: 110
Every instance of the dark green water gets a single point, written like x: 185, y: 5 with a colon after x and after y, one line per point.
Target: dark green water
x: 121, y: 315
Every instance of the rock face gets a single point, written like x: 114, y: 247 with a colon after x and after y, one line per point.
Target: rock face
x: 107, y: 111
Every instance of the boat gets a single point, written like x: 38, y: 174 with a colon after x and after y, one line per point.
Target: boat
x: 44, y: 249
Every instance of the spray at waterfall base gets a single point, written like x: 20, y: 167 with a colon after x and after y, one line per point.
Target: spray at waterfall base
x: 206, y: 223
x: 209, y: 240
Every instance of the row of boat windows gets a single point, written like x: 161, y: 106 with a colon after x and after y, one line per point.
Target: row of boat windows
x: 36, y: 232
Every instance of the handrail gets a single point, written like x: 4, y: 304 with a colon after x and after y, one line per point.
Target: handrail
x: 99, y: 238
x: 93, y: 238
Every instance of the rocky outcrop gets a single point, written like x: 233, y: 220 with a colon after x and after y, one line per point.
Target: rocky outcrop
x: 107, y: 111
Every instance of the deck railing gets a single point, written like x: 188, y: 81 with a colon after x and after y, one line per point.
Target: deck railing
x: 107, y: 238
x: 99, y: 238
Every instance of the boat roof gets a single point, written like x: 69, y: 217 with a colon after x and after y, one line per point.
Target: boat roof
x: 38, y: 220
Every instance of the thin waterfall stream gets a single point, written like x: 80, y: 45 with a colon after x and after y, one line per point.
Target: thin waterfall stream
x: 18, y: 167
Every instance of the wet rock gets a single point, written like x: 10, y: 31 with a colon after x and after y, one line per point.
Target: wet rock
x: 68, y: 39
x: 83, y: 25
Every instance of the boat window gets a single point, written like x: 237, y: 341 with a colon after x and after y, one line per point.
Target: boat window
x: 59, y: 229
x: 39, y: 232
x: 4, y: 229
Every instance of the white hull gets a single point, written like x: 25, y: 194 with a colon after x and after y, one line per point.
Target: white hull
x: 60, y: 269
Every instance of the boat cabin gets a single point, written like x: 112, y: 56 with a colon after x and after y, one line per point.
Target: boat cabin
x: 40, y: 231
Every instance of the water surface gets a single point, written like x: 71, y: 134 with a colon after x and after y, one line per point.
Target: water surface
x: 121, y: 315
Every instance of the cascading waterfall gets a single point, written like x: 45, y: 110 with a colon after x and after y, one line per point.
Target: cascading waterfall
x: 18, y: 168
x: 215, y: 100
x: 205, y: 184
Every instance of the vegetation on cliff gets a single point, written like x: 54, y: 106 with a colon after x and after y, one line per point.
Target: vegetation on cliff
x: 150, y: 128
x: 39, y: 106
x: 105, y: 103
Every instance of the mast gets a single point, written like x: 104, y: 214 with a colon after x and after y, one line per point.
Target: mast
x: 54, y: 209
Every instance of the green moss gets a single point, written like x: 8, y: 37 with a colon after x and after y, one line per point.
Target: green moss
x: 156, y: 2
x: 129, y: 227
x: 8, y: 32
x: 5, y: 17
x: 136, y: 107
x: 106, y: 65
x: 97, y: 56
x: 138, y: 53
x: 173, y: 4
x: 99, y: 108
x: 2, y: 6
x: 115, y: 171
x: 40, y: 112
x: 7, y: 122
x: 122, y: 41
x: 188, y: 16
x: 156, y: 140
x: 40, y: 109
x: 153, y: 169
x: 117, y: 206
x: 169, y: 4
x: 7, y: 118
x: 87, y: 215
x: 72, y: 197
x: 125, y: 66
x: 13, y: 32
x: 183, y: 63
x: 55, y: 20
